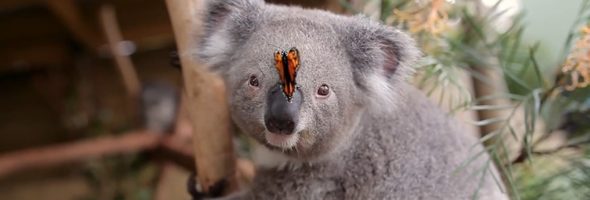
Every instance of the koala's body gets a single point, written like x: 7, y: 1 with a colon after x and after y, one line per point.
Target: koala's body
x: 355, y: 128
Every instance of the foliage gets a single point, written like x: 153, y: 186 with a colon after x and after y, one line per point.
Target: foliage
x: 121, y: 177
x: 467, y: 37
x: 551, y: 181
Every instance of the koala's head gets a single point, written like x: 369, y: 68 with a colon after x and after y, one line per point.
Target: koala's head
x: 348, y: 66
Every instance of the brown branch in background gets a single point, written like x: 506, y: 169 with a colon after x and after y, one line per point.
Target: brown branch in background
x: 176, y: 151
x: 51, y: 156
x: 206, y: 103
x: 171, y: 183
x: 168, y: 148
x: 114, y: 38
x: 489, y: 82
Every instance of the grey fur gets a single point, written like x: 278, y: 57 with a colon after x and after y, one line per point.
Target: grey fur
x: 374, y: 137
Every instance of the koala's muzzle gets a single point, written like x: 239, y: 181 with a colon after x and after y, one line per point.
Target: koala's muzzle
x: 282, y: 116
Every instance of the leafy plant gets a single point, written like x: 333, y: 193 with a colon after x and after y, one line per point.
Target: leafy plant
x: 464, y: 37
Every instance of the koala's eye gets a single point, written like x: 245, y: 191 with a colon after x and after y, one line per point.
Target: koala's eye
x: 323, y: 90
x: 253, y: 81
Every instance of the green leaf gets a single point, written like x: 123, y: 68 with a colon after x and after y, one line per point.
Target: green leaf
x: 467, y: 162
x: 536, y: 67
x: 501, y: 96
x: 490, y: 107
x: 489, y: 121
x: 512, y: 132
x: 507, y: 170
x: 477, y: 26
x: 484, y: 171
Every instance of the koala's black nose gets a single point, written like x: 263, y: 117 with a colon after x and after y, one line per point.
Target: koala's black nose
x: 281, y: 115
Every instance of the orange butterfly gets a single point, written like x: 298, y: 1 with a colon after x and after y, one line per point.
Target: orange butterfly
x: 287, y: 64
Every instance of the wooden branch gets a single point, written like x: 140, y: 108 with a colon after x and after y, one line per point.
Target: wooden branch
x: 168, y: 149
x: 171, y: 183
x: 494, y: 85
x: 111, y: 30
x: 207, y: 104
x: 174, y: 150
x: 69, y: 14
x: 56, y: 155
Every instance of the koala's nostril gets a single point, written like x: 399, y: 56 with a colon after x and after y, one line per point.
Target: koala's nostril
x: 280, y: 126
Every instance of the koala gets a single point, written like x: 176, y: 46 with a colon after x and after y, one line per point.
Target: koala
x: 355, y: 128
x: 159, y: 103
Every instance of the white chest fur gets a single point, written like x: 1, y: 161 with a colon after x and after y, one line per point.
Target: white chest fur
x: 268, y: 159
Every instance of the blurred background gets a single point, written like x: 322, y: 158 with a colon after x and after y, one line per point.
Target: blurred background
x: 78, y: 121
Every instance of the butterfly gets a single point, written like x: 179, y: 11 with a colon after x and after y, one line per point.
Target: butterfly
x: 287, y: 64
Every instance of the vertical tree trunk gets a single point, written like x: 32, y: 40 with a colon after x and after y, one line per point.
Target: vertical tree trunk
x: 485, y: 89
x: 207, y: 105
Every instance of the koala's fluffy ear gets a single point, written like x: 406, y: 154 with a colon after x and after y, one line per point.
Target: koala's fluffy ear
x: 381, y: 56
x: 226, y: 24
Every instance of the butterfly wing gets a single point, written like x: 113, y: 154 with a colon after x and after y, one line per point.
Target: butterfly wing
x: 292, y: 67
x: 279, y: 65
x: 287, y: 64
x: 293, y: 62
